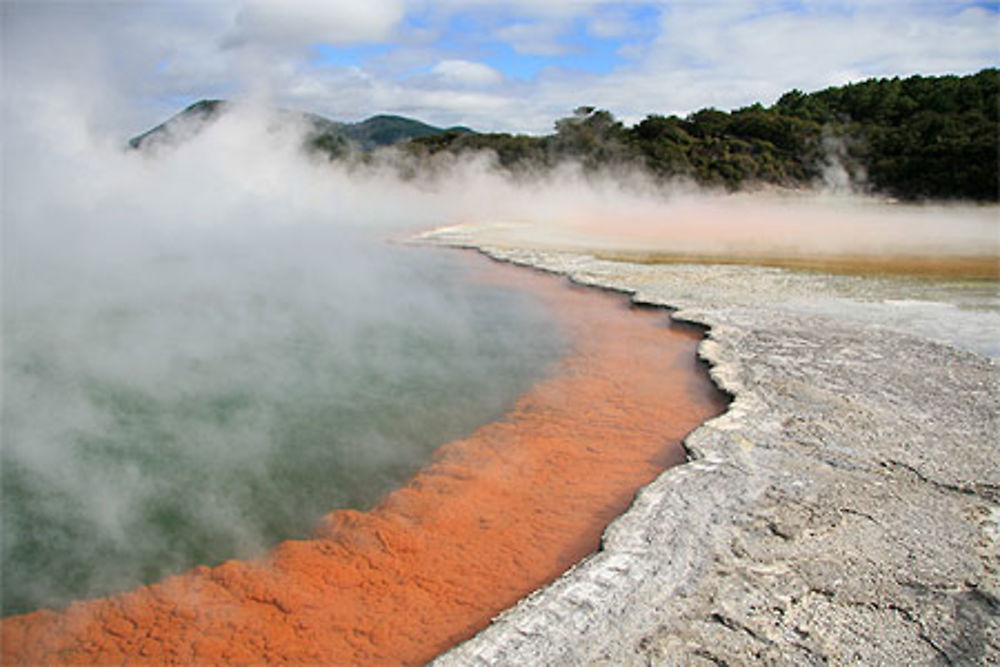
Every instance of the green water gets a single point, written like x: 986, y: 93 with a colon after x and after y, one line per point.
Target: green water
x: 202, y: 411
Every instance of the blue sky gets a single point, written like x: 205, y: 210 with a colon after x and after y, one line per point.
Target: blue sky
x: 517, y: 46
x: 512, y: 66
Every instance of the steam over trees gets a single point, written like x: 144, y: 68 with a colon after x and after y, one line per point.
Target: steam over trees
x: 914, y: 138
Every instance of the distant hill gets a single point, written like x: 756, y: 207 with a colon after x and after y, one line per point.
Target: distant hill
x: 188, y: 122
x: 384, y: 130
x: 329, y: 136
x: 915, y: 138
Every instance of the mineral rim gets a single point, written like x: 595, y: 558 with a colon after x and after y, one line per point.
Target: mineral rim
x: 845, y: 509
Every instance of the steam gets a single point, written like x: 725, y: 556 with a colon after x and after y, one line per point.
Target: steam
x: 608, y: 217
x: 189, y: 333
x: 207, y: 306
x: 836, y: 177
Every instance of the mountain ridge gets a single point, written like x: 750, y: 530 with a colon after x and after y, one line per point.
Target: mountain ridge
x: 331, y: 136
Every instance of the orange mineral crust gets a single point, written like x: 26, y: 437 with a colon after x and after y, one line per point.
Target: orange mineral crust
x: 490, y: 519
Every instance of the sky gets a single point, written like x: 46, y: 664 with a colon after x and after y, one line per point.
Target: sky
x: 513, y: 66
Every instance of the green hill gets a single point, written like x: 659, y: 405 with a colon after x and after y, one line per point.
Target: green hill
x: 186, y: 123
x: 385, y: 130
x: 328, y: 136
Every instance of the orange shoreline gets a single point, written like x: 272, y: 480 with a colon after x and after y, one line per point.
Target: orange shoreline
x: 493, y: 517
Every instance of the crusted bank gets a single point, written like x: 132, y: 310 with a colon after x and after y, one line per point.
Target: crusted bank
x: 845, y: 508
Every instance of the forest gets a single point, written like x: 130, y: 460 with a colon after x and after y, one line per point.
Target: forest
x: 914, y: 138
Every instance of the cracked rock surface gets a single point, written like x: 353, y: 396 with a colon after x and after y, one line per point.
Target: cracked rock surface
x: 844, y: 510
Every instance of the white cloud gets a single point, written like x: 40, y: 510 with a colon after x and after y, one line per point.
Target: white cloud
x: 712, y: 54
x: 467, y: 73
x: 450, y: 107
x: 709, y: 54
x: 610, y: 24
x: 537, y: 38
x: 129, y: 65
x: 726, y: 55
x: 522, y: 8
x: 298, y: 23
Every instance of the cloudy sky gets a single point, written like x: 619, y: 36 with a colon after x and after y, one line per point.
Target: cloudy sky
x: 511, y: 66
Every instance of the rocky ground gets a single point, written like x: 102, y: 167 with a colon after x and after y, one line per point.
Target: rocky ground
x: 846, y: 509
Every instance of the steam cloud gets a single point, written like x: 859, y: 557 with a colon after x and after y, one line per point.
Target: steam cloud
x: 189, y: 333
x: 141, y: 282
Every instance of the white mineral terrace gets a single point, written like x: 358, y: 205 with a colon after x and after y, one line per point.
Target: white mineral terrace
x: 844, y: 509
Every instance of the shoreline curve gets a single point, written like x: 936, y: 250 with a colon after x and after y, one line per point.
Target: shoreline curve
x: 493, y: 517
x: 845, y: 508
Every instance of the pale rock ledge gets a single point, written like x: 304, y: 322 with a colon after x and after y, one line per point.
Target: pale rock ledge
x: 845, y: 509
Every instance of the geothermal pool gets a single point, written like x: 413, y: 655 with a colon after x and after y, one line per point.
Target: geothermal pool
x: 496, y: 514
x: 204, y: 410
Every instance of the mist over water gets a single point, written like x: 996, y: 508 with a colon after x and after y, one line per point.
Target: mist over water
x: 207, y: 349
x: 209, y: 345
x: 158, y: 429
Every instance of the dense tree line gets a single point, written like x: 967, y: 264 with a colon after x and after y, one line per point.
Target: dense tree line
x: 913, y: 138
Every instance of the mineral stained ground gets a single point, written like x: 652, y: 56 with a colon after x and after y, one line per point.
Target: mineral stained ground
x: 845, y: 509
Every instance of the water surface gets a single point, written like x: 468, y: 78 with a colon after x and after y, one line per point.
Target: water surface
x: 493, y: 517
x: 206, y: 403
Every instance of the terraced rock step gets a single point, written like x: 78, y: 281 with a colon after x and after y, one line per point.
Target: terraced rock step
x: 845, y: 509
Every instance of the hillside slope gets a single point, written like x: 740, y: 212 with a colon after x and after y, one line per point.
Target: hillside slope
x: 331, y: 137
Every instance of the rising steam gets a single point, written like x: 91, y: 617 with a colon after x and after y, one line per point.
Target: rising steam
x: 183, y: 308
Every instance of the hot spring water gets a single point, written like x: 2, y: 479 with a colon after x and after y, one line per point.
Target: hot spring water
x: 206, y: 402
